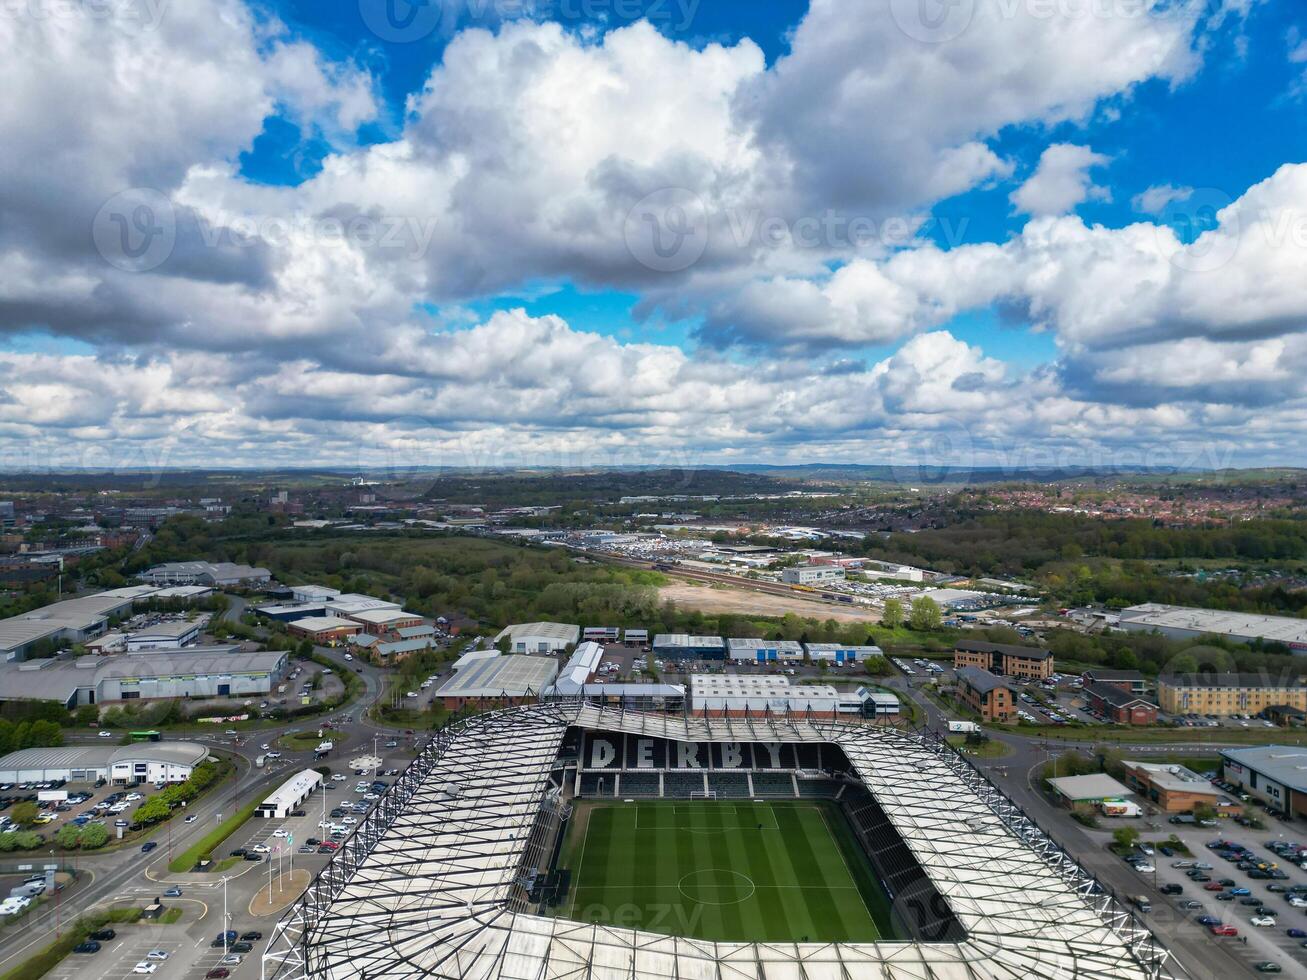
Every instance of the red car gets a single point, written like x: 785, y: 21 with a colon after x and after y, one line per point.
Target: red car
x: 1223, y: 930
x: 1213, y: 886
x: 217, y: 973
x: 330, y: 845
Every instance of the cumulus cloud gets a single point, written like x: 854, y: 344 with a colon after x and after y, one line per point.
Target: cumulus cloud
x: 242, y: 322
x: 1061, y: 181
x: 1156, y: 198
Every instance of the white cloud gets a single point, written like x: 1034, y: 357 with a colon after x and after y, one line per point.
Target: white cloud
x: 1156, y: 198
x: 1061, y: 181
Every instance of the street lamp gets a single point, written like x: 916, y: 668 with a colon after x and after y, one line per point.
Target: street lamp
x: 224, y: 916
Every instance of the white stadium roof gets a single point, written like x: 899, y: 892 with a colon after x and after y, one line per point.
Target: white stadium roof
x: 427, y: 887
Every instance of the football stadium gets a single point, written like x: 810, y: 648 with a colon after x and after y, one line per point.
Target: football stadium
x: 567, y: 839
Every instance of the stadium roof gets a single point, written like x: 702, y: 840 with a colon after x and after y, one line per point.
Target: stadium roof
x: 429, y: 884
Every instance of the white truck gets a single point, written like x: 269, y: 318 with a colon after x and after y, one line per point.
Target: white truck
x: 1121, y: 808
x: 326, y: 746
x: 963, y: 727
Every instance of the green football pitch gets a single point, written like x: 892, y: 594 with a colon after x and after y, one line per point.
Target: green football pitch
x: 724, y: 871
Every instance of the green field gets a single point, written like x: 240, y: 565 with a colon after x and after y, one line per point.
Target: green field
x: 723, y: 871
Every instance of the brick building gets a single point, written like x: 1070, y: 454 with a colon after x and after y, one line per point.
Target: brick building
x: 1002, y: 658
x: 1119, y: 706
x: 1127, y: 680
x: 1173, y: 788
x: 986, y: 694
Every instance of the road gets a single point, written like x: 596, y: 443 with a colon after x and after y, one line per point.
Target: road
x: 110, y: 875
x: 1014, y: 774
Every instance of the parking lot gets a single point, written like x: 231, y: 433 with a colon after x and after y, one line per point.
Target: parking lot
x: 112, y: 806
x: 1233, y: 890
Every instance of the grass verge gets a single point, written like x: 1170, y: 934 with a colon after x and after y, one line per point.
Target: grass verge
x: 205, y: 845
x: 47, y: 959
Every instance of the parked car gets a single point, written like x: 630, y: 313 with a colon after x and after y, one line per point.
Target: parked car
x: 90, y: 946
x: 217, y: 973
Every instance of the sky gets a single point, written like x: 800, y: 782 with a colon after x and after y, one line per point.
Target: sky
x: 453, y: 233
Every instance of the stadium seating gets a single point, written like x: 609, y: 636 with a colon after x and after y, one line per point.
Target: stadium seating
x: 820, y: 789
x: 772, y: 784
x: 590, y: 784
x: 681, y: 784
x: 915, y: 897
x: 644, y: 784
x: 729, y: 785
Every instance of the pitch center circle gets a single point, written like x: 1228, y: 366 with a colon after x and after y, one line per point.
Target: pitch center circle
x: 716, y: 886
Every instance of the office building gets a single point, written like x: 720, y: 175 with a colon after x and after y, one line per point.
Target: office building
x: 141, y: 762
x: 683, y: 646
x: 812, y: 574
x: 986, y: 694
x: 1001, y: 658
x: 1274, y: 774
x: 1173, y: 788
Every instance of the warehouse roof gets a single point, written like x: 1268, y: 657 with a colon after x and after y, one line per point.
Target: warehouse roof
x: 579, y: 667
x: 492, y: 677
x: 686, y: 640
x: 1095, y: 786
x: 379, y: 617
x: 736, y: 643
x: 1284, y: 629
x: 1172, y: 777
x: 101, y: 756
x: 1284, y: 764
x: 320, y: 624
x: 563, y: 632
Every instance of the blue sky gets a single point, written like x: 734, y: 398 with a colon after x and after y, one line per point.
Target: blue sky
x: 500, y: 226
x: 1226, y: 129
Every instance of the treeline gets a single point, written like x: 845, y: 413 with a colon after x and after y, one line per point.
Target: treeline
x: 1129, y: 583
x: 38, y: 734
x: 1021, y: 542
x: 1154, y: 654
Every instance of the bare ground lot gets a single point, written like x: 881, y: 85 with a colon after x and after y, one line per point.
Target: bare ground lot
x: 728, y: 599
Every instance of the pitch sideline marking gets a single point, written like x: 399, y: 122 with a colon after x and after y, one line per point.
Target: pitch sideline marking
x: 845, y: 861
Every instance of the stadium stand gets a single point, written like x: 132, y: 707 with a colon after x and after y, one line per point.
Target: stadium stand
x: 899, y: 870
x: 590, y: 784
x: 772, y: 784
x: 732, y: 785
x: 820, y: 789
x: 681, y: 784
x: 642, y: 784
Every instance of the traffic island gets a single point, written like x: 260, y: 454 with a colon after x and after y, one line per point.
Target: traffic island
x: 284, y: 889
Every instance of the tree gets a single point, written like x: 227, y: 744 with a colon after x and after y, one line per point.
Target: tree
x: 1125, y: 838
x: 67, y: 836
x: 25, y: 814
x: 876, y: 666
x: 926, y: 615
x: 153, y: 811
x: 93, y: 835
x: 87, y: 714
x: 892, y: 617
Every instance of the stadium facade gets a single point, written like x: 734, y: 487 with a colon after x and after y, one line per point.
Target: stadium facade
x: 443, y: 879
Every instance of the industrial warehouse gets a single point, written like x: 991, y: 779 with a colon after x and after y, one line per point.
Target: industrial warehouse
x: 997, y: 899
x: 141, y: 762
x: 1184, y: 623
x: 221, y: 671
